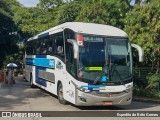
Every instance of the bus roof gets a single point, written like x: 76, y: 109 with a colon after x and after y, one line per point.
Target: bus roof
x: 87, y: 28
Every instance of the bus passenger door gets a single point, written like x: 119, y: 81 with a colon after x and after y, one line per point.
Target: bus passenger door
x: 70, y: 74
x: 70, y: 61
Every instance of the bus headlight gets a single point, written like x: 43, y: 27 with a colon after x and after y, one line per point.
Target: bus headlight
x: 80, y: 88
x: 128, y: 90
x: 84, y: 90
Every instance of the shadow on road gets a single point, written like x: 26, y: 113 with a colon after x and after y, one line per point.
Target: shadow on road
x: 17, y: 94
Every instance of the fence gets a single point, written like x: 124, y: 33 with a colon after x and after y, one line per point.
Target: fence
x: 140, y: 76
x: 141, y: 72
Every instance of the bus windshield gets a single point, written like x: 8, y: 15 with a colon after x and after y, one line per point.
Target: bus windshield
x: 112, y: 53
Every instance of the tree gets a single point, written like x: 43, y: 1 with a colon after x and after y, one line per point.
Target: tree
x: 104, y: 11
x: 8, y: 36
x: 17, y: 57
x: 47, y: 4
x: 34, y: 20
x: 143, y: 27
x: 68, y: 12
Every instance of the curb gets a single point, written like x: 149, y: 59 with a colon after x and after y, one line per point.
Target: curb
x: 141, y: 99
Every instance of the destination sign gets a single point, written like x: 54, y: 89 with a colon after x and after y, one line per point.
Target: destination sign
x: 93, y: 39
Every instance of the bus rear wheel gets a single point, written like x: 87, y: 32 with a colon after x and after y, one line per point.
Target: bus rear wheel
x: 61, y: 95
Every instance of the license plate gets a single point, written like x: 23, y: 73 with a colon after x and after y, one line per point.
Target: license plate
x: 107, y: 103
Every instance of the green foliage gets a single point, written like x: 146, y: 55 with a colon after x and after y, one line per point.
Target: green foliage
x: 26, y: 20
x: 152, y: 89
x: 48, y: 4
x: 34, y: 20
x: 92, y: 13
x: 151, y: 93
x: 153, y: 81
x: 8, y: 38
x: 105, y: 12
x: 68, y: 12
x: 143, y: 27
x: 17, y: 58
x: 54, y: 12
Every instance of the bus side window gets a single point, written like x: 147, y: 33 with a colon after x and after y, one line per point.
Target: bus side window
x: 50, y: 50
x: 59, y: 44
x: 41, y: 47
x: 60, y: 49
x: 50, y: 44
x: 44, y: 48
x: 38, y: 47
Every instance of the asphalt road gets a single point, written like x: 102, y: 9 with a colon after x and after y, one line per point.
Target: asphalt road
x: 20, y: 97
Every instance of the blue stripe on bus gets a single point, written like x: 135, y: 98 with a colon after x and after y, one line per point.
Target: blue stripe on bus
x: 93, y: 87
x: 43, y: 35
x: 42, y: 62
x: 40, y: 56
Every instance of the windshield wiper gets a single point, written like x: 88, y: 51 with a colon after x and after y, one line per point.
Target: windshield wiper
x: 102, y: 73
x: 114, y: 69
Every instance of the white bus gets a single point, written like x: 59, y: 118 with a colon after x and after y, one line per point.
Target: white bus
x: 85, y: 64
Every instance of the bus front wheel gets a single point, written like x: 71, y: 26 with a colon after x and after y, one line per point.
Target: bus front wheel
x: 61, y: 95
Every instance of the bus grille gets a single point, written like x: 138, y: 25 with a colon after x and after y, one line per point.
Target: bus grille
x: 108, y: 94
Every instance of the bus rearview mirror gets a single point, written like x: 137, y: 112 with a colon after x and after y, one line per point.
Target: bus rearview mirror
x: 75, y: 47
x: 140, y: 52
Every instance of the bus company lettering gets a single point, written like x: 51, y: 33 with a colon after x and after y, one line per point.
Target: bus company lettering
x: 59, y: 65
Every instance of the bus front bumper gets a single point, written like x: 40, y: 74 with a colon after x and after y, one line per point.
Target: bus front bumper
x: 87, y: 99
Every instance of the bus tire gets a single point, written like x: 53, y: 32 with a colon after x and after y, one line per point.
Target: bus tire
x: 31, y: 82
x: 60, y: 94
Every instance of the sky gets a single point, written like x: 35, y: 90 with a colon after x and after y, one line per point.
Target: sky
x: 132, y: 2
x: 28, y: 3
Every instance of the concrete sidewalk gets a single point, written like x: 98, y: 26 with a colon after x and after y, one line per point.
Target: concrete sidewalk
x: 14, y: 95
x: 21, y: 97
